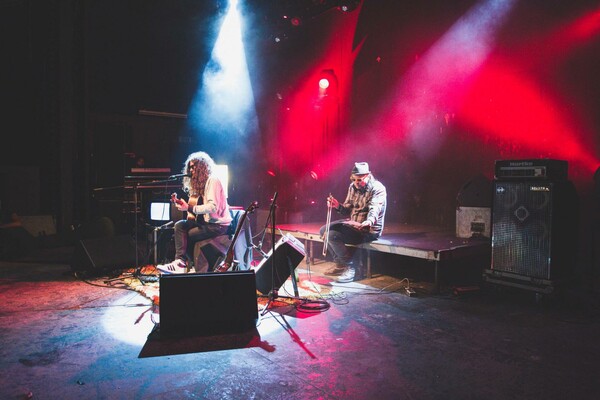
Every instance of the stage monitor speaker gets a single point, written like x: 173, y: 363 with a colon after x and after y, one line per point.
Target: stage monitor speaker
x: 104, y: 254
x: 208, y: 303
x: 534, y: 229
x: 289, y: 251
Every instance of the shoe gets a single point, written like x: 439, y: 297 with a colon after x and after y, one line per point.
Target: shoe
x: 174, y: 267
x: 335, y: 270
x: 347, y: 276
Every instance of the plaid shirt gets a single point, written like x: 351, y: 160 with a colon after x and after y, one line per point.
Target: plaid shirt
x: 367, y: 203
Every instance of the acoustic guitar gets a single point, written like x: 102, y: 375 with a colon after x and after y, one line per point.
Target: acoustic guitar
x: 229, y: 262
x: 193, y: 201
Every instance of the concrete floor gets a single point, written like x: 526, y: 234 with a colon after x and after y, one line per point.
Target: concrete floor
x: 63, y: 338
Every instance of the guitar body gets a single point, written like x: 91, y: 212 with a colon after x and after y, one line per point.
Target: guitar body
x: 228, y: 262
x: 193, y: 201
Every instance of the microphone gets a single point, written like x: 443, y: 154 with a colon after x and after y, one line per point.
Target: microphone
x: 181, y: 176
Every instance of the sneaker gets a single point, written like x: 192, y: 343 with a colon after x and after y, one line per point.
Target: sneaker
x: 335, y: 270
x: 347, y: 275
x: 174, y: 267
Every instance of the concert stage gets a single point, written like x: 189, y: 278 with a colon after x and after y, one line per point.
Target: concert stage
x: 429, y: 243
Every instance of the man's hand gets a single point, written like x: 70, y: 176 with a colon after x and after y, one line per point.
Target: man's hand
x: 366, y: 224
x: 332, y: 202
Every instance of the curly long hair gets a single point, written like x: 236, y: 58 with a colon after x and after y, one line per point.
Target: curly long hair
x: 204, y: 166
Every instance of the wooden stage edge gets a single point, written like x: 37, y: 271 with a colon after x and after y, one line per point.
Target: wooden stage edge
x: 419, y: 241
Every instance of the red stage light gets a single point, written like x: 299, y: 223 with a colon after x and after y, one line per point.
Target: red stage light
x: 323, y: 83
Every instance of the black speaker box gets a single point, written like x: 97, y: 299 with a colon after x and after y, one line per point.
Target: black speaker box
x: 289, y: 251
x: 103, y: 254
x: 534, y: 229
x: 209, y: 303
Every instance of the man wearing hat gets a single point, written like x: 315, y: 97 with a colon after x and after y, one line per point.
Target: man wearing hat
x: 364, y: 211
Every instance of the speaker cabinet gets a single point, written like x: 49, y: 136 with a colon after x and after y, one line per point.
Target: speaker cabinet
x: 104, y: 254
x: 210, y: 303
x: 534, y: 229
x: 289, y: 251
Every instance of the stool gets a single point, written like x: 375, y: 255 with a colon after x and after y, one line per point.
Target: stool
x: 219, y: 243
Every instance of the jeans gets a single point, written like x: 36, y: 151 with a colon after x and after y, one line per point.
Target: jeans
x: 341, y: 234
x: 189, y: 231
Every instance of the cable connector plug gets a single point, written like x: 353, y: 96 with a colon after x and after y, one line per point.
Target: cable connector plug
x: 410, y: 292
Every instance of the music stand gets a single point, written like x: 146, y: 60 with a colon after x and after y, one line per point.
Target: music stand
x: 273, y: 293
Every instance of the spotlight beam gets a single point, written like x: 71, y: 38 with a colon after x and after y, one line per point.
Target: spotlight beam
x: 223, y: 111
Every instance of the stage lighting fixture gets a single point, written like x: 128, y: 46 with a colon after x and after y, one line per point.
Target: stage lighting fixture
x: 349, y: 5
x: 323, y: 83
x: 280, y: 37
x: 327, y: 82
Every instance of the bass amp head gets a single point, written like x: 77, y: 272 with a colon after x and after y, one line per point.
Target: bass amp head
x: 547, y: 169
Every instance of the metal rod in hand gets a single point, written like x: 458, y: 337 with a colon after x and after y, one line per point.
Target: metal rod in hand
x: 326, y: 238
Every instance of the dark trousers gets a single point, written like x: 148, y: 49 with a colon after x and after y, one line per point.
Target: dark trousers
x: 189, y: 231
x: 341, y: 234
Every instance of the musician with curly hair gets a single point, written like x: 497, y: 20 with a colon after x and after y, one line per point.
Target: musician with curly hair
x: 207, y: 210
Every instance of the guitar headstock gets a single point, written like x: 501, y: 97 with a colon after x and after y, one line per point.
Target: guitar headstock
x: 174, y: 198
x: 253, y: 206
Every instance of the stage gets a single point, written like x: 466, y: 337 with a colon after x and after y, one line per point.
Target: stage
x: 430, y: 243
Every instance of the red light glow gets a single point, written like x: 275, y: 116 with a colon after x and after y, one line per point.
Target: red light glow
x: 513, y: 108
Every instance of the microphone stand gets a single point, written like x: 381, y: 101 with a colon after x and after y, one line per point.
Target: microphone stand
x: 137, y: 271
x: 273, y: 293
x: 262, y: 238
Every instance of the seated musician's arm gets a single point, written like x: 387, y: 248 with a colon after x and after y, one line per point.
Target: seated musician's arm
x: 376, y: 204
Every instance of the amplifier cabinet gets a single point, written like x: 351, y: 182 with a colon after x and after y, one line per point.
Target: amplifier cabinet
x: 534, y: 229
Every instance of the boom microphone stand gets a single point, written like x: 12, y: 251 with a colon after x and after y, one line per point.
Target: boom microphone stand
x: 138, y: 269
x: 273, y: 293
x: 262, y: 238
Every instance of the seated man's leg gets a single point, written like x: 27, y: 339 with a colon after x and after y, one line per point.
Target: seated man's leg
x: 336, y: 247
x: 180, y: 235
x: 185, y: 232
x: 340, y: 235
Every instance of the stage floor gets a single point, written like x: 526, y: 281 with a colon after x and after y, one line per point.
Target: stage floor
x: 430, y: 243
x: 69, y: 339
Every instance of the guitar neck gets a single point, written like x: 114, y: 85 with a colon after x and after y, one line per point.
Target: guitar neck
x: 228, y: 262
x: 238, y: 228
